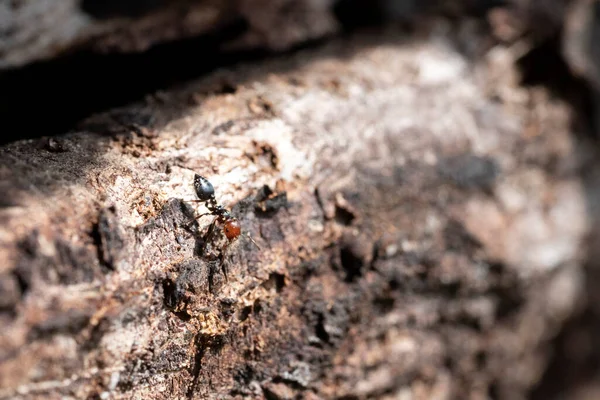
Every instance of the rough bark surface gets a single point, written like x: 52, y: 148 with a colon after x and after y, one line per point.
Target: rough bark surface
x: 420, y: 219
x: 31, y: 30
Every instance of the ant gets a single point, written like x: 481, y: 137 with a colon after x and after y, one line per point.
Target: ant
x: 206, y: 194
x: 214, y: 246
x: 211, y: 247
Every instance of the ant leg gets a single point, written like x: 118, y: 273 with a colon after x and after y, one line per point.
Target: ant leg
x: 211, y: 230
x: 252, y: 240
x: 223, y: 266
x: 189, y: 226
x: 211, y: 277
x: 207, y: 238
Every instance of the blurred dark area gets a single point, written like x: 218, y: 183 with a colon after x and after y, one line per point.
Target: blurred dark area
x: 60, y: 92
x: 79, y: 80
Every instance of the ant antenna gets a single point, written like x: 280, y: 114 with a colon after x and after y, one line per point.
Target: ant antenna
x: 252, y: 240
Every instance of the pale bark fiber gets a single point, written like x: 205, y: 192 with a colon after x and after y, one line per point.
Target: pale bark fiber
x: 420, y: 219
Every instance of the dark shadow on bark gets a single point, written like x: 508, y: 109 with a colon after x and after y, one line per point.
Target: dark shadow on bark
x: 575, y: 352
x: 49, y: 98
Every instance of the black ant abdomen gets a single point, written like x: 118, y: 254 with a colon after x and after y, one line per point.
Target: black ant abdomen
x: 204, y: 189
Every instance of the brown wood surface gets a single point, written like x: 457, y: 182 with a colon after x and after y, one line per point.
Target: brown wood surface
x: 421, y: 221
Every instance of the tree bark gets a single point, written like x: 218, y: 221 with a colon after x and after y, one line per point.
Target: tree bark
x: 419, y: 218
x: 39, y: 30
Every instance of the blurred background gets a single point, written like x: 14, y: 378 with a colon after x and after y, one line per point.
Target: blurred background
x: 97, y: 55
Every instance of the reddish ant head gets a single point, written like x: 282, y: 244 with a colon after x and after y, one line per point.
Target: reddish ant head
x: 232, y: 229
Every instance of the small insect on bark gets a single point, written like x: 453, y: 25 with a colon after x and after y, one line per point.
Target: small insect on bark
x: 231, y: 227
x: 206, y: 194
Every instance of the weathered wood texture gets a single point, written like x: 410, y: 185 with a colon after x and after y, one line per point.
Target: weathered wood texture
x: 34, y: 30
x: 31, y: 30
x: 429, y: 244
